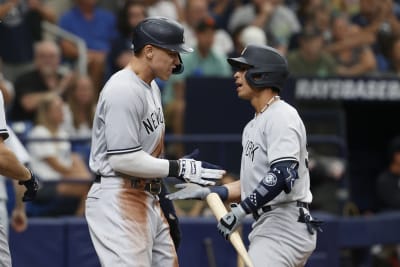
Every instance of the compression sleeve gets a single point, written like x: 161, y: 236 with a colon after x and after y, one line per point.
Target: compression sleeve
x: 280, y: 178
x: 141, y: 164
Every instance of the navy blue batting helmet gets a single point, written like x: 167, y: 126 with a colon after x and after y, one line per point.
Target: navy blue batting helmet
x: 266, y: 67
x: 161, y: 32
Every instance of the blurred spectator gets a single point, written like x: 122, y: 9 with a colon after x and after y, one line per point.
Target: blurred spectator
x: 278, y: 21
x: 221, y: 11
x: 97, y: 28
x: 203, y: 62
x: 388, y: 182
x: 129, y: 16
x: 379, y: 24
x: 354, y: 61
x: 394, y: 62
x: 196, y: 11
x: 163, y: 8
x: 247, y: 35
x: 54, y: 161
x: 20, y: 27
x: 309, y: 58
x: 388, y: 193
x: 325, y: 174
x: 79, y: 109
x: 47, y: 76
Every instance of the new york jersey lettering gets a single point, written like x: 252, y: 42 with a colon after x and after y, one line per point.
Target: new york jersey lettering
x: 250, y: 149
x: 152, y: 122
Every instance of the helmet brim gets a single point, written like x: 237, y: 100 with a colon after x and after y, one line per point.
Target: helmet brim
x: 180, y: 48
x: 238, y: 62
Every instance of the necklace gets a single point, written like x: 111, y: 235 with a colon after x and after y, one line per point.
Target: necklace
x: 273, y: 99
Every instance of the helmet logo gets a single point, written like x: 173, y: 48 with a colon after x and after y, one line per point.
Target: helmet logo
x: 244, y: 50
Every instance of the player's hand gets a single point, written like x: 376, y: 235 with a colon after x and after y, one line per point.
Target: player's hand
x: 228, y: 223
x: 194, y: 171
x: 19, y: 221
x: 32, y: 187
x: 189, y: 191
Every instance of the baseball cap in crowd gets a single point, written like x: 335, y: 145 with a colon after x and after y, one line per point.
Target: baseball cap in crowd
x: 206, y: 23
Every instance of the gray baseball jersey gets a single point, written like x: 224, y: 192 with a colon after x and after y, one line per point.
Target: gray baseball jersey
x: 126, y: 225
x: 129, y: 118
x: 275, y: 135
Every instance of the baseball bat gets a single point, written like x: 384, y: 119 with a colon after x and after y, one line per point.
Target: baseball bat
x: 219, y: 210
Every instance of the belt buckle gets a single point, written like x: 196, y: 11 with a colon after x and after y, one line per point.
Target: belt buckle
x: 155, y: 188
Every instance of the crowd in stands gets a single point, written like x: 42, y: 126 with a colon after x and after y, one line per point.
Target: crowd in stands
x: 42, y: 86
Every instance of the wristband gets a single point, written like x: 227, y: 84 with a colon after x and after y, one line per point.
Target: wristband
x: 173, y: 168
x: 221, y: 190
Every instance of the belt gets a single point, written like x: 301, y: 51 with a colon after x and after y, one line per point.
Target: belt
x: 153, y: 186
x: 257, y: 214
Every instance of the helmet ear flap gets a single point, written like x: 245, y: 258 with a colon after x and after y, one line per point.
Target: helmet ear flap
x: 255, y: 79
x: 179, y: 68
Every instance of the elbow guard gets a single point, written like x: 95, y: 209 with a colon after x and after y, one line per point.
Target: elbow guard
x: 280, y: 178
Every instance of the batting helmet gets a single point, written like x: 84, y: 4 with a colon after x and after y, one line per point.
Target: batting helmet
x: 161, y: 32
x: 266, y: 67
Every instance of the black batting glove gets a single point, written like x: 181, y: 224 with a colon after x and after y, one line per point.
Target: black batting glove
x: 32, y: 187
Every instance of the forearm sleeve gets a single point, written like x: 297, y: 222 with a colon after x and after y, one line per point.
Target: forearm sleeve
x: 280, y: 178
x: 140, y: 164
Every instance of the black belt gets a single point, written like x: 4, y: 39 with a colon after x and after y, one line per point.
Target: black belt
x: 153, y: 186
x: 257, y: 214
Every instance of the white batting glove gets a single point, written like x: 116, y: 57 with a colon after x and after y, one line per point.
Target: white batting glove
x: 189, y: 191
x: 192, y: 171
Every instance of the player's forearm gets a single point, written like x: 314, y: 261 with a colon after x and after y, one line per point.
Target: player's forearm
x: 10, y: 166
x: 140, y: 164
x: 19, y: 192
x: 233, y: 191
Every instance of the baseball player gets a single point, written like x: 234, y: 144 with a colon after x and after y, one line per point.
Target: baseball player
x: 275, y: 183
x: 12, y: 168
x: 125, y: 221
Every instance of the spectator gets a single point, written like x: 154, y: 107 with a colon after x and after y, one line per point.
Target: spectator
x: 379, y: 24
x: 195, y: 12
x: 20, y: 27
x: 247, y: 35
x: 203, y: 62
x: 394, y: 62
x: 96, y: 27
x: 129, y: 16
x: 47, y: 76
x: 309, y: 58
x: 79, y: 109
x: 163, y: 8
x: 53, y: 161
x: 278, y: 21
x: 354, y: 61
x: 388, y: 182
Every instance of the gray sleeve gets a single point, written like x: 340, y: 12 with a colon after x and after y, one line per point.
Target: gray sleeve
x: 283, y: 139
x: 122, y: 122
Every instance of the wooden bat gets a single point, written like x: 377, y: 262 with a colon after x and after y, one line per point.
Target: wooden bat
x: 219, y: 210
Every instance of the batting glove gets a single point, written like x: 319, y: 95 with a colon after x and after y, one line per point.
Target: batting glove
x: 32, y: 187
x: 194, y: 171
x: 228, y: 223
x: 189, y: 191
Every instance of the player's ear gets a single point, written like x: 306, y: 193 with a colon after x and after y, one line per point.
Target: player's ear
x: 148, y: 51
